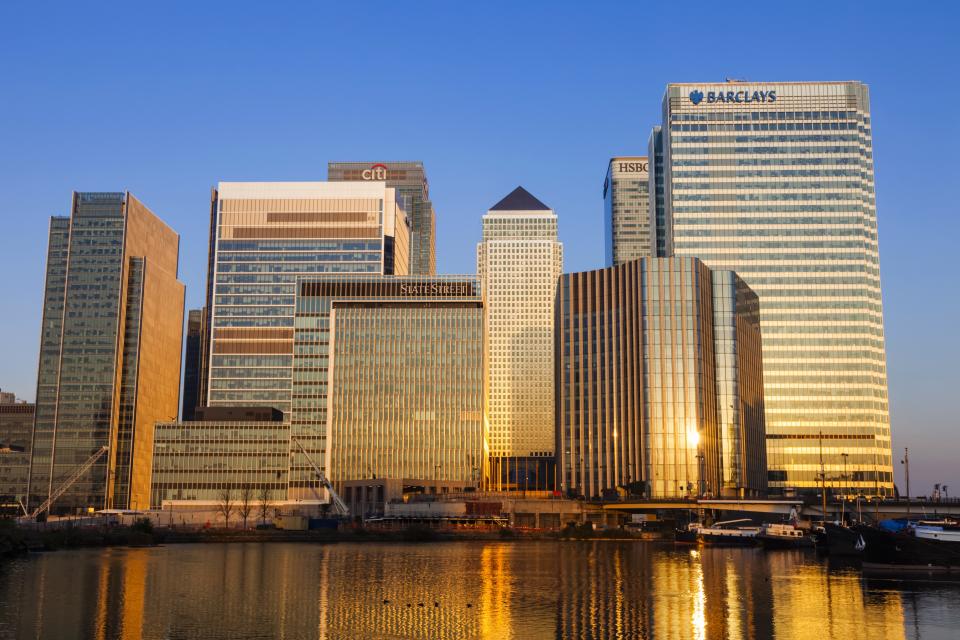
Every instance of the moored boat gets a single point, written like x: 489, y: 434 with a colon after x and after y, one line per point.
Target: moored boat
x: 905, y: 550
x: 687, y: 534
x: 839, y: 540
x: 784, y: 536
x: 723, y: 534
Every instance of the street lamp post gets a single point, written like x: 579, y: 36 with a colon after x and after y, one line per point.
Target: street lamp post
x: 843, y: 495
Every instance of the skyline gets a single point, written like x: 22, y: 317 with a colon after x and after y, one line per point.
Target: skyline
x: 62, y: 115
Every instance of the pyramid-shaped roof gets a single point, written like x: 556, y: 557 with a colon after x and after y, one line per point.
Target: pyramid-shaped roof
x: 519, y: 200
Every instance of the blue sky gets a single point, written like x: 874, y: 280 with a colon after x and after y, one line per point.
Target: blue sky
x: 164, y: 100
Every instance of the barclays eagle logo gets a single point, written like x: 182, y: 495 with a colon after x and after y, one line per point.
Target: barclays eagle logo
x: 696, y: 96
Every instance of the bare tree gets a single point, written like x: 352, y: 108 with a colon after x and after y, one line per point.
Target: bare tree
x: 225, y: 505
x: 264, y: 503
x: 246, y: 504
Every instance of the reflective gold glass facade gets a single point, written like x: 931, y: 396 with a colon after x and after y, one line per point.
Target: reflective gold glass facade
x: 409, y: 394
x: 406, y: 390
x: 659, y: 381
x: 110, y: 351
x: 775, y: 181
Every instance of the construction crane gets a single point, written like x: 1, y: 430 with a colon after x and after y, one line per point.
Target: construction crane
x: 338, y: 504
x: 59, y: 491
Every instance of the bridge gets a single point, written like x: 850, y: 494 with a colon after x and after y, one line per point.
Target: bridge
x: 808, y: 507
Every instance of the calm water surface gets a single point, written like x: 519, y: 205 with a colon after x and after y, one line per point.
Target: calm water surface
x: 468, y: 590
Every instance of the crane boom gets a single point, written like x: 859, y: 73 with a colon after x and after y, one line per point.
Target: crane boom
x: 59, y: 491
x: 339, y: 505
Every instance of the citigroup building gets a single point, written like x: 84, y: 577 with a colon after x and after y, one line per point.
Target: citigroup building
x: 775, y: 181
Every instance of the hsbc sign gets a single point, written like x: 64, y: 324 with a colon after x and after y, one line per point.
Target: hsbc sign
x: 375, y: 172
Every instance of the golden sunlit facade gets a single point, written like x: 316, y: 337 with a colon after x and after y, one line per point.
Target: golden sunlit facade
x: 110, y: 351
x: 775, y: 181
x: 659, y: 381
x: 519, y: 262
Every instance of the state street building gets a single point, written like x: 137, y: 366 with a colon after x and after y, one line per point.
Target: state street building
x: 388, y: 382
x: 659, y: 382
x: 519, y: 262
x: 774, y: 180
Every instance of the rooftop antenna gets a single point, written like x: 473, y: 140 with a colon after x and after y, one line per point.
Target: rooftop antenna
x: 732, y: 79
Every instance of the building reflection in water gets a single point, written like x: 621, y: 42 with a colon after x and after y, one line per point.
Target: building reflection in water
x: 454, y: 590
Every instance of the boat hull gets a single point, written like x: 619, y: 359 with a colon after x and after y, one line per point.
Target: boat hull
x: 720, y: 540
x: 839, y: 541
x: 904, y: 550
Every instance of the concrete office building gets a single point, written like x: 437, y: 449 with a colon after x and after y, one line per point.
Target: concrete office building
x: 16, y: 432
x: 628, y: 232
x: 388, y: 381
x: 192, y: 358
x: 7, y: 397
x: 240, y: 452
x: 659, y: 381
x: 775, y: 181
x: 519, y: 262
x: 264, y: 235
x: 410, y: 181
x: 109, y: 351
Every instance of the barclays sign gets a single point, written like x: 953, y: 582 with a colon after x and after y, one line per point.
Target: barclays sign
x: 742, y: 97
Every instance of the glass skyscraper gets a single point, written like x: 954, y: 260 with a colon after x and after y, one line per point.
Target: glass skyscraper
x: 109, y: 352
x: 519, y: 262
x: 659, y: 381
x: 388, y: 380
x: 775, y: 181
x: 264, y: 235
x: 628, y: 232
x: 410, y: 181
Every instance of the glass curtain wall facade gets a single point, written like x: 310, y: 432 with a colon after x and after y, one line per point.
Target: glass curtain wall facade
x: 775, y: 181
x: 628, y: 232
x: 406, y: 390
x: 199, y: 461
x: 658, y: 215
x: 438, y: 315
x: 519, y: 262
x: 267, y: 234
x: 659, y: 382
x: 110, y: 351
x: 410, y: 181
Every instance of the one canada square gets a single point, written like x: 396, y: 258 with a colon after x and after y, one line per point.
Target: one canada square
x: 775, y: 181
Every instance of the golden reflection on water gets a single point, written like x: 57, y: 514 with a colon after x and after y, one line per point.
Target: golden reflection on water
x: 451, y: 590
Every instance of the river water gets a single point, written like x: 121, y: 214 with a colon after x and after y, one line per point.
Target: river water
x: 601, y: 589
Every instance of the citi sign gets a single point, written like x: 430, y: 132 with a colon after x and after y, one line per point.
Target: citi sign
x: 744, y: 97
x: 376, y: 172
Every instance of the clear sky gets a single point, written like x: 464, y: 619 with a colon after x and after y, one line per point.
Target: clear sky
x: 166, y: 99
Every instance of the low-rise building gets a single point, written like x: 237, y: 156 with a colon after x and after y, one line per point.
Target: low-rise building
x: 16, y: 430
x: 228, y: 453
